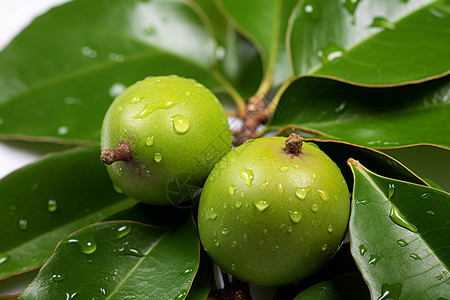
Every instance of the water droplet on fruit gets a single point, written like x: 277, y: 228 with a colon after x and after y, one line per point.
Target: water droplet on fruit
x: 238, y: 204
x: 324, y: 247
x: 158, y: 157
x: 181, y: 123
x: 382, y: 22
x: 135, y: 100
x: 233, y: 267
x: 415, y: 256
x: 323, y: 195
x: 261, y: 205
x: 314, y: 207
x: 362, y: 250
x: 311, y: 8
x: 231, y: 190
x: 247, y: 175
x: 58, y: 277
x: 52, y: 205
x: 23, y: 224
x: 284, y: 168
x: 391, y: 190
x: 225, y: 231
x: 123, y: 231
x: 295, y: 216
x: 216, y: 242
x: 330, y: 228
x: 374, y: 259
x: 331, y: 53
x: 212, y: 214
x: 400, y: 220
x: 149, y: 141
x: 402, y: 243
x: 280, y: 188
x: 301, y: 192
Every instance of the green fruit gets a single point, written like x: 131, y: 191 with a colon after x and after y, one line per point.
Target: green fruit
x: 270, y: 215
x: 161, y: 137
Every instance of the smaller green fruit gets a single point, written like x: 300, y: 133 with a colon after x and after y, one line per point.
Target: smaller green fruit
x: 272, y: 213
x: 161, y: 137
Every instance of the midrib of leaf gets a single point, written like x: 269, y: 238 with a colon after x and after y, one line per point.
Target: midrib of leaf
x: 419, y: 236
x: 137, y: 265
x: 95, y: 215
x: 373, y: 36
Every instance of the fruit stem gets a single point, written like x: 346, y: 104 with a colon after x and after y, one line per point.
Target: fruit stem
x: 121, y: 153
x: 294, y: 144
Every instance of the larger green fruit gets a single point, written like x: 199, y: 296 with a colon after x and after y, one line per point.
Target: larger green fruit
x: 162, y: 136
x: 270, y: 217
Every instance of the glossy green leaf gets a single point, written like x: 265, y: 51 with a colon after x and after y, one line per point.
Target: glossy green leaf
x: 399, y: 236
x: 58, y: 77
x: 118, y: 260
x: 44, y: 202
x: 372, y: 42
x: 265, y: 22
x: 377, y: 118
x: 237, y: 58
x: 349, y: 286
x: 203, y: 281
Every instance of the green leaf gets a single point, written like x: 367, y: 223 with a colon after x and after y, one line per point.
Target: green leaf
x: 45, y: 201
x: 349, y: 286
x: 117, y: 260
x: 203, y: 281
x: 377, y: 42
x: 58, y: 77
x: 399, y: 236
x: 377, y: 118
x: 265, y: 22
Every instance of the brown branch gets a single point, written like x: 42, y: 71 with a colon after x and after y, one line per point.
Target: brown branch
x: 255, y: 115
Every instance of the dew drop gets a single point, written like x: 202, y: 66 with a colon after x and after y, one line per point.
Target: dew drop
x: 265, y: 184
x: 233, y: 267
x: 295, y: 216
x: 149, y: 141
x: 225, y: 231
x: 131, y: 251
x: 180, y: 123
x: 123, y: 231
x: 231, y: 190
x: 351, y: 6
x: 362, y: 250
x: 415, y: 256
x: 212, y: 214
x: 314, y: 207
x: 301, y: 192
x: 158, y: 157
x: 280, y: 188
x: 382, y: 22
x: 52, y: 205
x: 330, y: 228
x: 117, y: 189
x: 247, y: 175
x: 88, y: 247
x: 391, y: 292
x: 58, y: 277
x: 425, y: 196
x: 331, y: 53
x: 324, y: 247
x: 23, y: 224
x: 362, y: 201
x: 238, y: 204
x: 323, y: 195
x: 391, y: 190
x: 311, y: 9
x: 261, y: 205
x: 234, y: 244
x: 374, y: 259
x: 88, y: 52
x: 290, y: 229
x: 181, y: 295
x: 430, y: 212
x: 400, y: 220
x: 402, y: 243
x: 120, y: 171
x: 216, y: 242
x: 3, y: 258
x: 284, y: 168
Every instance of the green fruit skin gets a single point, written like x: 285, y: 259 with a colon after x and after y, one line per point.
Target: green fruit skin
x: 260, y: 230
x: 170, y: 160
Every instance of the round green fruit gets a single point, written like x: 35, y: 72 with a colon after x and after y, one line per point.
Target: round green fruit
x: 161, y: 137
x: 272, y: 213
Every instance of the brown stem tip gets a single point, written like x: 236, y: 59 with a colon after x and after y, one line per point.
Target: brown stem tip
x: 121, y: 153
x: 294, y: 144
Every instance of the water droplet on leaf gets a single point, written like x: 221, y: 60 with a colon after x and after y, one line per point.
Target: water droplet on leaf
x: 123, y: 231
x: 374, y: 259
x: 23, y: 224
x: 400, y: 220
x: 362, y: 250
x: 382, y: 22
x: 52, y: 205
x: 402, y: 243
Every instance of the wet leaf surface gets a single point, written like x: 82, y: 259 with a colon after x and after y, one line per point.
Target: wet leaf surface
x: 371, y: 42
x: 376, y: 118
x: 45, y: 201
x: 119, y: 259
x: 399, y: 236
